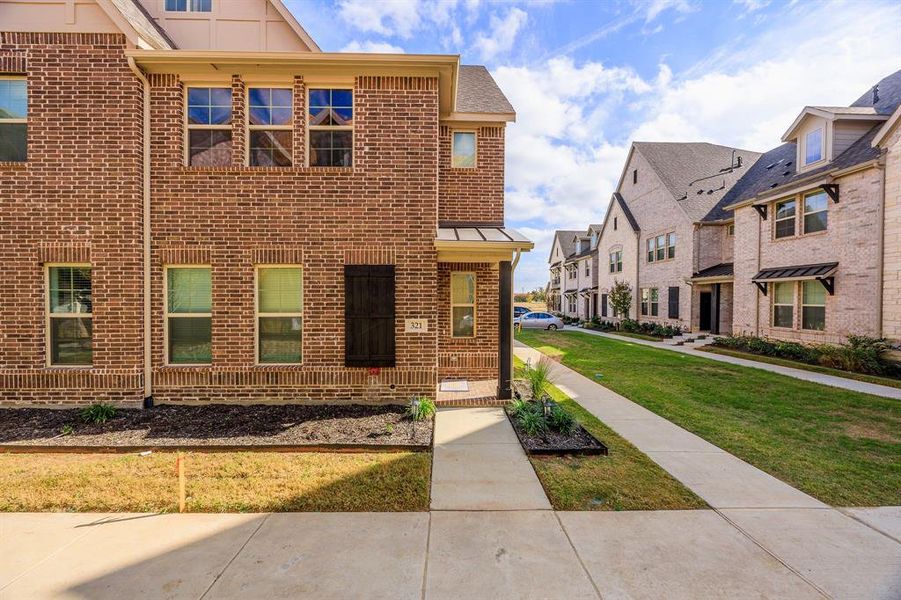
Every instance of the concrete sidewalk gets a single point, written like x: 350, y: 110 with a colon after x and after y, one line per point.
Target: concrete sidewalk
x: 843, y: 557
x: 830, y: 380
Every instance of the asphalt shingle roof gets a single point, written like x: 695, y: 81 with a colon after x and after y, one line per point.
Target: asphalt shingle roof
x: 138, y: 17
x: 680, y: 164
x: 776, y: 167
x: 477, y: 92
x: 566, y: 237
x: 720, y: 270
x: 625, y: 208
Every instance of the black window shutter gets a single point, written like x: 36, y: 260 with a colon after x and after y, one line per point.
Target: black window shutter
x: 674, y: 302
x: 603, y: 305
x: 369, y: 316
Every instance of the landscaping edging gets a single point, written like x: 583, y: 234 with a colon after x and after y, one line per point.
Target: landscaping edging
x: 585, y: 450
x: 285, y: 448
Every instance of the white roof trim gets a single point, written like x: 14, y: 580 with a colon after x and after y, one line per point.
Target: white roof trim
x: 887, y: 127
x: 288, y: 16
x: 829, y: 115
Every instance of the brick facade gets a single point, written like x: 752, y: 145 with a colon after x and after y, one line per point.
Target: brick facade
x: 891, y: 266
x: 79, y: 198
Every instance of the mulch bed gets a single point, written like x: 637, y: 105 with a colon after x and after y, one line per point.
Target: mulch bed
x: 555, y: 443
x: 219, y: 425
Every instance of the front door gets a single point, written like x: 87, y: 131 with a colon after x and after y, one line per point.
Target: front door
x: 704, y: 324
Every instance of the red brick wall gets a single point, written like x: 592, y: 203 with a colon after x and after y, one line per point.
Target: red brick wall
x: 474, y: 357
x: 77, y: 199
x: 473, y: 195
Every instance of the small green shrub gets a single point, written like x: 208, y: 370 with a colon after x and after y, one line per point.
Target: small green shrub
x: 68, y: 429
x: 537, y: 377
x: 422, y: 411
x: 560, y: 420
x: 517, y: 406
x: 532, y: 421
x: 630, y: 326
x: 100, y: 412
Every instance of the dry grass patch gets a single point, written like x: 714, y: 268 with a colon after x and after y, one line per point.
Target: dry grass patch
x: 216, y: 482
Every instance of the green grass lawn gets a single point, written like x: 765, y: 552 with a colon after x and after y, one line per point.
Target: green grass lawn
x: 839, y: 446
x: 625, y: 480
x: 804, y: 366
x: 216, y: 482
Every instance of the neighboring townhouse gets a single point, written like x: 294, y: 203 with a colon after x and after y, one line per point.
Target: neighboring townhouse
x: 618, y: 255
x: 560, y: 279
x: 198, y: 205
x: 664, y: 192
x: 816, y: 219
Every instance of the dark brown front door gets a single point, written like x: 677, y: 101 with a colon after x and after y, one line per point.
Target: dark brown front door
x: 704, y: 324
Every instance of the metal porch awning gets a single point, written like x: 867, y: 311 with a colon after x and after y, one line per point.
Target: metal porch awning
x: 479, y: 244
x: 822, y: 272
x: 721, y: 273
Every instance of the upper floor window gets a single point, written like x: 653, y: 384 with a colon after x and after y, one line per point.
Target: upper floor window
x: 634, y: 176
x: 463, y: 153
x: 209, y: 126
x: 13, y: 119
x: 785, y: 218
x: 614, y: 223
x: 69, y: 315
x: 331, y: 127
x: 270, y: 124
x: 587, y: 268
x: 661, y: 247
x: 815, y: 212
x: 616, y: 261
x: 730, y: 230
x: 189, y: 5
x: 813, y: 146
x: 671, y: 245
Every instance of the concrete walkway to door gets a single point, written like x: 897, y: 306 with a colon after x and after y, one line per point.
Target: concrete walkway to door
x: 843, y: 555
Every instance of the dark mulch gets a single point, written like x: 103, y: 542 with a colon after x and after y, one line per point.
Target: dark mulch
x: 218, y: 424
x: 553, y: 442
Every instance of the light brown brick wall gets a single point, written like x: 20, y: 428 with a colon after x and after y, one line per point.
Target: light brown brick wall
x: 622, y: 238
x: 77, y: 199
x: 473, y: 195
x: 891, y: 268
x: 850, y: 240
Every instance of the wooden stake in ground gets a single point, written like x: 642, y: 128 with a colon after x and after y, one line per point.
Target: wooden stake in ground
x: 180, y: 467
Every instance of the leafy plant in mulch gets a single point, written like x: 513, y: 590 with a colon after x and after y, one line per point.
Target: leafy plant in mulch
x: 100, y: 412
x: 537, y: 377
x: 421, y: 408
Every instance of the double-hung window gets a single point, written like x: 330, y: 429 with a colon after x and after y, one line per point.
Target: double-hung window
x: 189, y: 5
x: 815, y: 212
x: 813, y: 146
x: 463, y: 304
x: 331, y: 120
x: 655, y: 302
x: 13, y: 119
x: 189, y: 317
x: 671, y: 245
x: 270, y: 123
x: 279, y: 314
x: 587, y: 268
x: 209, y: 126
x: 784, y: 304
x: 463, y: 152
x: 785, y: 218
x: 813, y: 305
x: 69, y: 315
x: 616, y: 261
x: 661, y: 247
x: 645, y: 298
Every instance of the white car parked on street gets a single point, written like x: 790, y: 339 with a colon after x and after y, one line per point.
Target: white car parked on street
x: 538, y: 320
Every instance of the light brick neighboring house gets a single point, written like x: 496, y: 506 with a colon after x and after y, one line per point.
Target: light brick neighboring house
x: 560, y: 276
x: 317, y: 227
x: 618, y: 256
x: 669, y: 188
x: 816, y: 250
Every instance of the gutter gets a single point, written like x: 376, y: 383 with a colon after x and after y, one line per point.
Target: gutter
x: 880, y: 257
x: 145, y: 234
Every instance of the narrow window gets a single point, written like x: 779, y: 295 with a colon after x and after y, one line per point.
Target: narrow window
x: 604, y: 300
x: 463, y: 304
x: 13, y: 119
x: 614, y: 223
x: 785, y: 219
x: 587, y: 268
x: 369, y: 316
x: 671, y: 245
x: 661, y: 247
x: 645, y: 296
x: 189, y: 315
x: 270, y: 124
x: 613, y: 262
x: 331, y: 127
x: 463, y: 153
x: 813, y: 306
x: 783, y: 304
x: 651, y: 252
x: 673, y: 300
x: 209, y: 126
x: 619, y: 261
x: 731, y: 229
x: 189, y: 5
x: 655, y: 302
x: 279, y: 314
x: 813, y: 146
x: 69, y: 315
x: 634, y: 176
x: 815, y: 212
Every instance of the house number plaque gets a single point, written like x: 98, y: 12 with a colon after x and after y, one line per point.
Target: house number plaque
x: 416, y: 325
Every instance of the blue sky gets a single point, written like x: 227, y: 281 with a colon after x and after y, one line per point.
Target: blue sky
x: 588, y: 77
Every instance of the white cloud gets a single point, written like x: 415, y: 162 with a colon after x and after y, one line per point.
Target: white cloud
x: 387, y: 17
x: 370, y: 46
x: 752, y: 5
x: 502, y: 35
x: 653, y: 8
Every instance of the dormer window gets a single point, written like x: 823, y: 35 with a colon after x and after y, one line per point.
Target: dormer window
x: 813, y: 146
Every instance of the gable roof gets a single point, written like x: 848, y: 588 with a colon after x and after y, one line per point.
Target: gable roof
x: 618, y: 198
x: 776, y: 169
x: 139, y: 20
x: 296, y: 27
x: 566, y: 237
x: 478, y: 92
x: 697, y: 174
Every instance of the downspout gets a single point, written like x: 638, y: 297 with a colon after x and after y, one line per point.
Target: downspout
x: 880, y: 257
x: 757, y: 291
x: 145, y: 188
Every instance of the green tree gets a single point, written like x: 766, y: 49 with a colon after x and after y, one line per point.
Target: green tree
x: 621, y: 298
